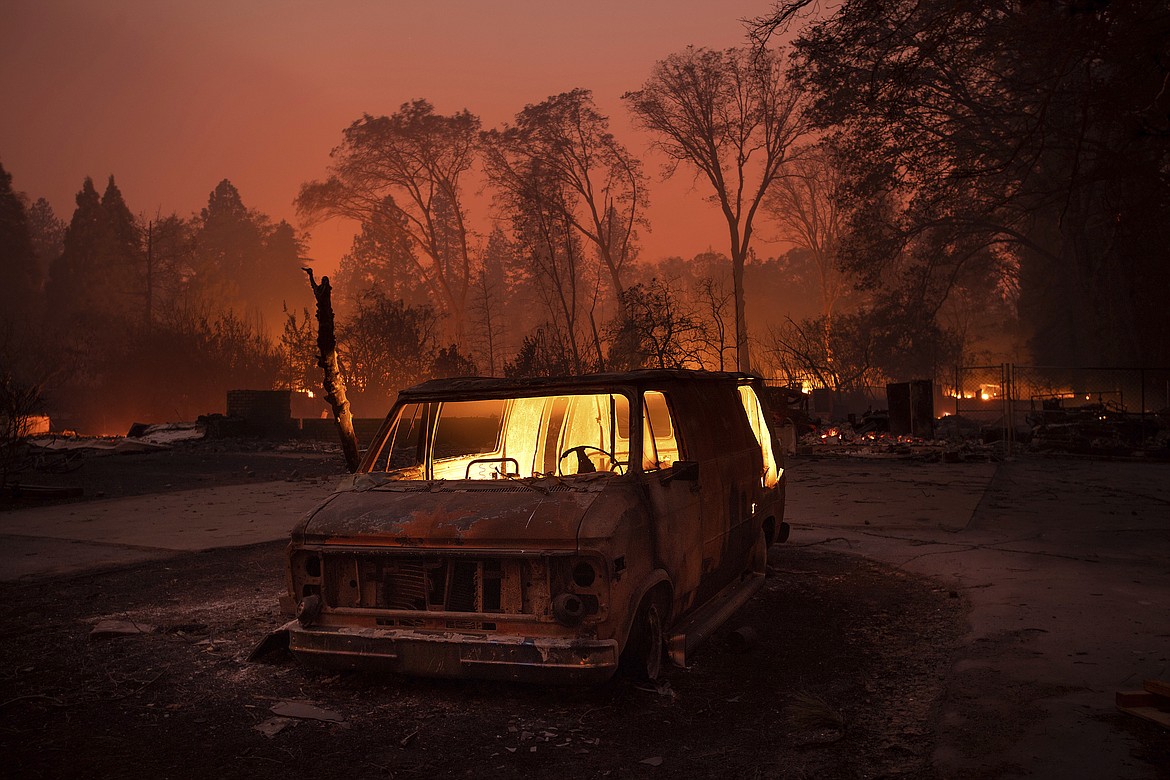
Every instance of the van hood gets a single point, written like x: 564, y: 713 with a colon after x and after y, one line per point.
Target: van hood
x: 369, y: 510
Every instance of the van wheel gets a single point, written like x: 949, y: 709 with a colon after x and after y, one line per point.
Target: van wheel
x: 642, y: 656
x: 760, y: 555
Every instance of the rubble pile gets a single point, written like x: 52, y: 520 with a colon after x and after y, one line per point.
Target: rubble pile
x: 956, y: 440
x: 1099, y: 429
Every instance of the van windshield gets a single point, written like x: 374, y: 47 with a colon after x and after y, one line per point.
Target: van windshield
x: 535, y: 436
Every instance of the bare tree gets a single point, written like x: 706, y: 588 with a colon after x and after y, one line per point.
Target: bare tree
x: 333, y: 382
x: 490, y: 296
x: 28, y: 370
x: 601, y: 186
x: 804, y: 205
x: 418, y: 157
x: 297, y: 346
x: 780, y: 19
x: 388, y: 344
x: 666, y: 331
x: 731, y: 116
x: 565, y: 278
x: 713, y: 295
x: 801, y: 355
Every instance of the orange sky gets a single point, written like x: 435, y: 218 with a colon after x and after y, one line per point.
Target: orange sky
x: 172, y: 98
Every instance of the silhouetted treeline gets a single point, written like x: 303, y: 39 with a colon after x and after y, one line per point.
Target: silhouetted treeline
x: 958, y: 183
x: 1024, y: 146
x: 120, y: 317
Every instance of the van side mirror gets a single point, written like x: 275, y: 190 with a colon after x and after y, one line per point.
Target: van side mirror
x: 683, y: 471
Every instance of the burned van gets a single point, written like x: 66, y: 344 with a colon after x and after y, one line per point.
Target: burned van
x: 543, y: 529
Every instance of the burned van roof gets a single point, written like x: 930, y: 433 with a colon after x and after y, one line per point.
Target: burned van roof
x: 491, y: 386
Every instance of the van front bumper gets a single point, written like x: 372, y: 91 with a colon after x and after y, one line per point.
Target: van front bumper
x: 458, y: 655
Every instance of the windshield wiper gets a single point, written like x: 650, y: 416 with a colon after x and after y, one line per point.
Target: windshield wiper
x: 529, y: 485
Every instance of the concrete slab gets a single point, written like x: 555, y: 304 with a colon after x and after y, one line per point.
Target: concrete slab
x: 29, y: 556
x: 895, y: 494
x: 1067, y: 567
x: 75, y: 537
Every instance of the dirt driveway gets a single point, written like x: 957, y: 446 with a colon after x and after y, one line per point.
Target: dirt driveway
x: 863, y: 667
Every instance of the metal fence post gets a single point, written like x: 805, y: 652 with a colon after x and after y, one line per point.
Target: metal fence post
x: 958, y: 392
x: 1008, y: 394
x: 1142, y: 380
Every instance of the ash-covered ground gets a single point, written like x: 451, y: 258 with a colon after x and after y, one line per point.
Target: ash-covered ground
x: 926, y: 620
x: 843, y: 681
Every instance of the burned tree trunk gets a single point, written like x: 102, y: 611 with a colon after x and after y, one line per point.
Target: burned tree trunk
x: 327, y: 360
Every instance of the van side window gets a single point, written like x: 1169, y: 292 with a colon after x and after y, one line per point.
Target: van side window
x: 755, y: 416
x: 659, y: 444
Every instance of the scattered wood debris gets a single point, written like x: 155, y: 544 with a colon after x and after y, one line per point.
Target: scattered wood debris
x: 306, y: 711
x: 111, y: 628
x: 1151, y: 703
x: 273, y: 726
x: 23, y: 490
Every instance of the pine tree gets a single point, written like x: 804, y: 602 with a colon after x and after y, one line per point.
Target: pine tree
x: 124, y: 262
x: 281, y: 282
x: 227, y: 242
x: 47, y: 232
x: 21, y: 276
x: 100, y: 275
x: 67, y: 273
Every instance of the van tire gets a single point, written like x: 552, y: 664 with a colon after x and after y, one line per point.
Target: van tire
x: 759, y: 561
x: 642, y: 656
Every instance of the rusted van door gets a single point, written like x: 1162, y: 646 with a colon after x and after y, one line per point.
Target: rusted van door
x: 711, y: 417
x: 674, y: 488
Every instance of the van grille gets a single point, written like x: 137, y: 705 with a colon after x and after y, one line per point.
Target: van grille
x: 437, y: 584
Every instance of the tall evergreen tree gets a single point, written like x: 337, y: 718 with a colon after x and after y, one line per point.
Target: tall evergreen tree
x: 100, y: 274
x: 125, y: 260
x: 68, y: 271
x: 280, y: 283
x: 20, y: 278
x: 244, y: 263
x: 47, y: 232
x: 382, y: 258
x: 227, y: 242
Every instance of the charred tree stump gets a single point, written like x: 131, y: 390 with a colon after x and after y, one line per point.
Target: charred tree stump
x: 327, y: 360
